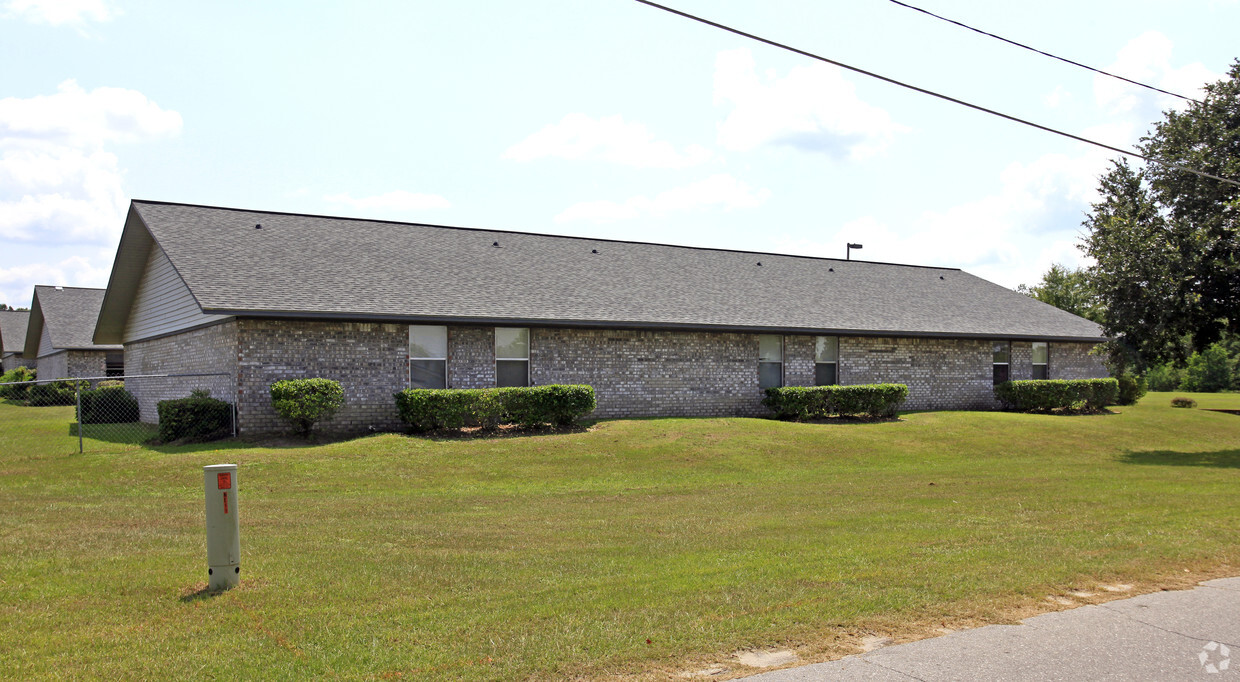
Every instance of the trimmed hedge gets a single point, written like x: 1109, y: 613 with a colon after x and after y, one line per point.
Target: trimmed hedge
x: 108, y: 405
x: 817, y: 402
x: 306, y: 402
x: 1045, y: 395
x: 452, y: 408
x: 1131, y: 389
x: 196, y: 418
x: 1181, y: 401
x: 53, y: 393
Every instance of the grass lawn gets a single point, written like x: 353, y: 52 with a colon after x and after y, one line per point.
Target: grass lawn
x: 640, y: 547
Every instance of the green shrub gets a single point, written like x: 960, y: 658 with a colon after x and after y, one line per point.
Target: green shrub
x: 19, y: 392
x: 108, y: 405
x: 1131, y: 389
x: 558, y: 404
x: 111, y: 383
x: 306, y: 402
x: 453, y: 408
x: 1180, y: 401
x: 815, y: 402
x: 196, y: 418
x: 431, y: 409
x: 1163, y: 378
x: 1208, y: 371
x: 53, y: 393
x: 1043, y: 395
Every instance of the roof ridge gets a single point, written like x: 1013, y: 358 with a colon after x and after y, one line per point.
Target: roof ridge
x: 62, y: 287
x: 535, y: 234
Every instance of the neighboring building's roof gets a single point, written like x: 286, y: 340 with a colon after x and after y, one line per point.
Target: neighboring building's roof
x: 13, y: 330
x: 322, y: 267
x: 69, y: 314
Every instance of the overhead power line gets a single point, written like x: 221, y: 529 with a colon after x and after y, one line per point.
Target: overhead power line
x: 924, y: 91
x: 1046, y: 54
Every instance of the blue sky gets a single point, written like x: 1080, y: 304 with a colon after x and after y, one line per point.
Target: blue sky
x: 599, y: 118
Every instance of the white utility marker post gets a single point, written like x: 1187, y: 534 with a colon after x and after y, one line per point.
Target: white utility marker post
x: 223, y: 527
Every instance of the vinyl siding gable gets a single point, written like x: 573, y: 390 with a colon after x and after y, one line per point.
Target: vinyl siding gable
x: 163, y: 303
x: 45, y: 342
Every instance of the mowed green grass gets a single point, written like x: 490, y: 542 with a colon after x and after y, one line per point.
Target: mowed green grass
x: 561, y: 555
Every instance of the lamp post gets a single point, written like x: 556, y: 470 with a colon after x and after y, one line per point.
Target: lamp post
x: 848, y: 251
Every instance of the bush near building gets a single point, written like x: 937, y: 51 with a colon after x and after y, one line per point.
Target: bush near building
x: 453, y: 408
x: 1051, y: 395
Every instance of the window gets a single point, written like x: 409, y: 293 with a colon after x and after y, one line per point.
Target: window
x: 770, y: 360
x: 114, y: 364
x: 1002, y: 361
x: 826, y: 360
x: 512, y: 356
x: 1041, y: 360
x: 428, y: 356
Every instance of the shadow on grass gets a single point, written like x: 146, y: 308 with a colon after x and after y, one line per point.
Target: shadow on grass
x: 199, y: 592
x: 1225, y: 459
x: 130, y: 433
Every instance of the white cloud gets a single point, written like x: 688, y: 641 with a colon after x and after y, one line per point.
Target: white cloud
x: 58, y: 183
x: 1010, y: 237
x: 1147, y: 59
x: 61, y: 12
x: 610, y: 138
x: 813, y: 108
x: 17, y: 283
x: 397, y: 201
x: 717, y: 191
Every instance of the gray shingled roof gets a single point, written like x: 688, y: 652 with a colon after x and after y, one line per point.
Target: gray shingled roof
x: 13, y: 330
x: 69, y: 314
x: 314, y: 266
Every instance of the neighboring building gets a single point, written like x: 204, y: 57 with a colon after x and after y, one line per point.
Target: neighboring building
x: 656, y: 329
x: 13, y: 340
x: 62, y: 322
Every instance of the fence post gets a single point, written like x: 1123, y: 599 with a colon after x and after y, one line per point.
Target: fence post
x: 77, y: 396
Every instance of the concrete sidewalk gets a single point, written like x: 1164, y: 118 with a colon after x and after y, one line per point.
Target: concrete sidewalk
x: 1181, y: 635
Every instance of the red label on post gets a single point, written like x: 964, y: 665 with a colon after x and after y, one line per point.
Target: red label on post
x: 225, y: 501
x: 223, y: 481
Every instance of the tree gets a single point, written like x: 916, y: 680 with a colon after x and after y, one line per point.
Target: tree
x: 1208, y: 371
x: 1167, y: 242
x: 1069, y: 290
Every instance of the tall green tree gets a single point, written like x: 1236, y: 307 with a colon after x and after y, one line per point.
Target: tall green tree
x: 1069, y: 290
x: 1167, y: 242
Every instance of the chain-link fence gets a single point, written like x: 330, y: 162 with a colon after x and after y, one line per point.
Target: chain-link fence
x: 104, y: 414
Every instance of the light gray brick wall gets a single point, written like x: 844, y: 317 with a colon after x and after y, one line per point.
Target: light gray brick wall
x: 1074, y: 361
x: 471, y: 357
x: 198, y: 351
x: 1022, y: 361
x: 941, y: 374
x: 86, y: 363
x: 799, y: 360
x: 370, y: 360
x: 652, y: 373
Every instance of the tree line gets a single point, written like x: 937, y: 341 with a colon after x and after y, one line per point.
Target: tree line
x: 1165, y: 246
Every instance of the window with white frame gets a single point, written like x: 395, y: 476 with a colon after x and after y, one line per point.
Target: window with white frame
x: 512, y: 356
x: 826, y: 360
x: 428, y: 356
x: 1041, y: 360
x: 770, y: 360
x: 1002, y: 360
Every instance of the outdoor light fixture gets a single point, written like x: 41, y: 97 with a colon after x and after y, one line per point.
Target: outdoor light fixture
x: 848, y: 251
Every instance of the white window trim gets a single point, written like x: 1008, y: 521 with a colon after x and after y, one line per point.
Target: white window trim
x: 782, y: 359
x: 409, y: 357
x: 836, y: 363
x: 1046, y: 364
x: 529, y: 343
